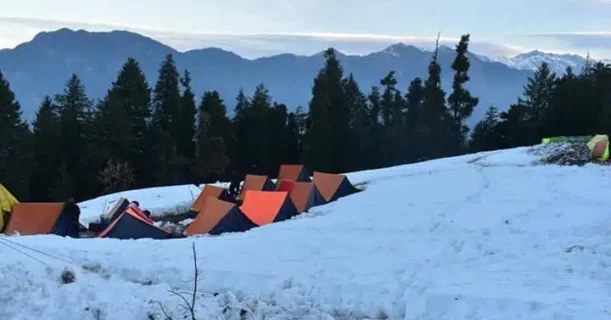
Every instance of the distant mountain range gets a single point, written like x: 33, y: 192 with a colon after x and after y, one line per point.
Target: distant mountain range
x: 41, y: 67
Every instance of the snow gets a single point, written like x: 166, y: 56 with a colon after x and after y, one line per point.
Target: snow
x: 484, y: 236
x: 159, y: 201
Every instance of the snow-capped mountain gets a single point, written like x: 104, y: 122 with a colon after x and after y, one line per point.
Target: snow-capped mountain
x: 557, y: 62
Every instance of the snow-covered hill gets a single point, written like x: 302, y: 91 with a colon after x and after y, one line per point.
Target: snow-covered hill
x: 484, y: 236
x: 557, y: 62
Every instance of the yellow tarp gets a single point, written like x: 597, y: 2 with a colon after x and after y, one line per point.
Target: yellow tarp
x: 599, y: 146
x: 7, y: 201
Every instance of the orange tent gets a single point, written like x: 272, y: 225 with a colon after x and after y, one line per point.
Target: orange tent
x: 333, y: 186
x: 256, y: 183
x: 285, y: 185
x: 305, y: 195
x: 264, y: 207
x: 218, y: 217
x: 38, y: 218
x: 295, y: 172
x: 207, y: 192
x: 133, y: 224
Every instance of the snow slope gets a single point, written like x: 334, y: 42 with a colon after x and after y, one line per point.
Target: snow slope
x: 484, y: 236
x: 159, y: 201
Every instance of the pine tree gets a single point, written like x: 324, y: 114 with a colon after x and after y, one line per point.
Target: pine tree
x: 78, y: 178
x: 434, y: 114
x: 184, y: 143
x: 165, y: 127
x: 129, y: 96
x: 46, y: 139
x: 375, y: 107
x: 293, y: 139
x: 416, y: 130
x: 537, y: 95
x: 213, y: 136
x: 460, y: 101
x: 485, y: 133
x: 259, y: 135
x: 329, y: 119
x: 241, y: 123
x: 15, y: 144
x: 361, y: 143
x: 278, y: 134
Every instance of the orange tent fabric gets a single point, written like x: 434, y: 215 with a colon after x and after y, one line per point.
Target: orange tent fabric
x: 133, y: 224
x: 294, y: 172
x: 286, y: 185
x: 264, y: 207
x: 34, y: 218
x: 218, y: 217
x: 213, y: 211
x: 333, y: 186
x: 256, y: 183
x: 305, y: 195
x: 209, y: 191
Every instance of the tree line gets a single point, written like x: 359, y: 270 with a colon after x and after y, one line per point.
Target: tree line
x: 138, y: 136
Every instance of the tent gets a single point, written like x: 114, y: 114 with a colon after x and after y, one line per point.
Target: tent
x: 133, y: 224
x: 210, y: 191
x: 333, y: 186
x: 305, y: 195
x: 39, y: 218
x: 265, y: 207
x: 599, y: 146
x: 119, y: 207
x: 256, y: 183
x: 285, y: 185
x: 7, y: 201
x: 294, y: 172
x: 218, y: 216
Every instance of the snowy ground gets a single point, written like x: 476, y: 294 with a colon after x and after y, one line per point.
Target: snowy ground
x: 160, y: 201
x: 485, y: 236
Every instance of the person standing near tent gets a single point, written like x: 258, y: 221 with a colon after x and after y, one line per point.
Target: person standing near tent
x: 234, y: 187
x: 74, y: 213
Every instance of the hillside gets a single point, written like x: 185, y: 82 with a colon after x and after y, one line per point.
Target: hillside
x: 455, y: 238
x: 43, y: 65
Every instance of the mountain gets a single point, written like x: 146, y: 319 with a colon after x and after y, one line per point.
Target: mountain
x: 41, y: 66
x: 557, y: 62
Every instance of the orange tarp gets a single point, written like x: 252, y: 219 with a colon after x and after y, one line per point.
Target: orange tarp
x: 134, y: 212
x: 290, y: 172
x: 286, y: 185
x: 253, y: 183
x: 209, y: 191
x: 210, y: 215
x: 300, y: 194
x: 327, y: 183
x: 34, y: 218
x: 261, y: 207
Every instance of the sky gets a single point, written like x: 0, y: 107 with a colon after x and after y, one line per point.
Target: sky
x: 265, y: 27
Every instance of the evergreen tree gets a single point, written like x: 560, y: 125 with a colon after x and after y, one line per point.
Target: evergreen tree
x: 46, y: 139
x: 416, y: 130
x: 375, y: 107
x: 77, y: 177
x: 537, y: 96
x: 434, y: 114
x: 15, y: 144
x: 185, y: 145
x: 213, y: 135
x: 293, y: 139
x: 258, y: 134
x: 129, y: 96
x: 278, y: 133
x: 460, y: 101
x: 166, y: 128
x: 361, y: 143
x: 392, y: 116
x: 485, y: 134
x: 241, y: 122
x: 329, y: 119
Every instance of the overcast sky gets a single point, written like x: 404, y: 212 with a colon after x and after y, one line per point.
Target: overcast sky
x: 254, y: 28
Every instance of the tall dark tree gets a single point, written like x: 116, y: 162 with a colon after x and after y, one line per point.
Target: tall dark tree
x: 329, y: 119
x: 362, y: 152
x: 537, y: 97
x: 241, y: 124
x: 46, y: 139
x: 130, y: 97
x: 375, y: 108
x: 416, y: 130
x: 485, y: 136
x: 214, y: 135
x: 77, y: 176
x: 259, y: 134
x: 166, y: 128
x: 15, y: 144
x: 434, y: 113
x: 293, y: 139
x: 186, y: 119
x: 461, y: 102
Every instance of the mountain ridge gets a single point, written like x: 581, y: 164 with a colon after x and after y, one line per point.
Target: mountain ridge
x: 41, y: 66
